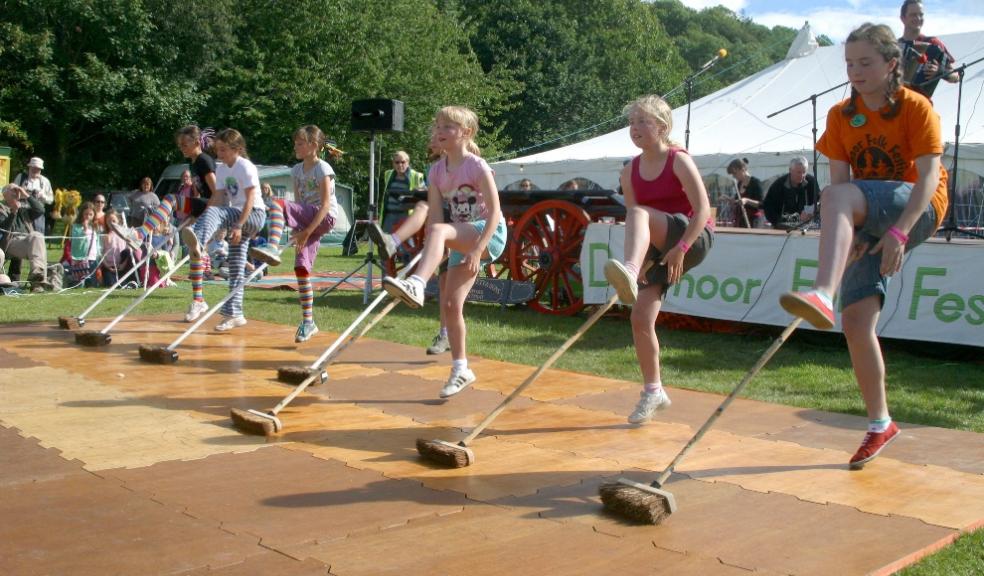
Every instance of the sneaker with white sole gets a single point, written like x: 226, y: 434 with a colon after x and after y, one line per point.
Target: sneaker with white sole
x: 230, y: 322
x: 383, y: 241
x: 624, y: 284
x: 190, y: 240
x: 440, y: 345
x: 649, y: 403
x: 810, y: 305
x: 197, y: 308
x: 407, y: 290
x: 266, y: 253
x: 305, y: 331
x: 131, y: 236
x: 457, y: 382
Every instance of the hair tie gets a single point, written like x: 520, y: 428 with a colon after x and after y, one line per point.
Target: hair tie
x: 205, y: 138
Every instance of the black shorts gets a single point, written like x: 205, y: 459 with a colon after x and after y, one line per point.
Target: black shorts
x: 676, y: 225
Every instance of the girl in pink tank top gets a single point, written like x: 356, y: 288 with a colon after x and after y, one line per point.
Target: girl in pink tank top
x: 667, y: 231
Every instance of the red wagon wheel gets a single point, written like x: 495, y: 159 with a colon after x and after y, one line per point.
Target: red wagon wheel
x: 408, y: 250
x: 545, y: 249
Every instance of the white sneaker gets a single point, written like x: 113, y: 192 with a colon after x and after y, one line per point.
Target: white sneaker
x: 624, y: 284
x: 190, y: 240
x: 440, y: 345
x: 457, y: 382
x: 407, y: 290
x: 131, y: 236
x: 197, y: 308
x: 305, y: 331
x: 266, y: 253
x: 230, y: 322
x: 649, y: 402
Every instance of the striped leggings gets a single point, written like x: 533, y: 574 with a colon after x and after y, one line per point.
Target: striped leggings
x: 216, y: 217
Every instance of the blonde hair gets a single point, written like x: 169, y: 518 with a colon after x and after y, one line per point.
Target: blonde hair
x: 401, y: 155
x: 657, y: 108
x: 464, y: 117
x: 233, y: 139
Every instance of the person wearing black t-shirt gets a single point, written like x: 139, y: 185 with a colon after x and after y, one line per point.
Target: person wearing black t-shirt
x: 751, y: 194
x: 792, y: 198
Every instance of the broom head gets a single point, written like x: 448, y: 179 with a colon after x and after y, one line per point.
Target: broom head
x: 92, y: 338
x: 445, y: 453
x: 158, y: 354
x: 296, y: 375
x: 637, y: 502
x: 254, y: 422
x: 70, y: 322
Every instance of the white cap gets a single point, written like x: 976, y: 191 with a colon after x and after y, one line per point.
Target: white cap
x: 36, y: 163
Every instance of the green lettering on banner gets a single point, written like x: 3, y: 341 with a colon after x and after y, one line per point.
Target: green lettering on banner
x: 689, y: 280
x: 752, y: 283
x: 731, y: 295
x: 948, y: 308
x: 976, y: 305
x: 918, y: 291
x: 592, y: 248
x: 704, y: 280
x: 799, y: 282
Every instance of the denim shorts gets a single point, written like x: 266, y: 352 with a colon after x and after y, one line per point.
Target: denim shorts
x: 676, y: 225
x: 497, y: 244
x: 886, y: 199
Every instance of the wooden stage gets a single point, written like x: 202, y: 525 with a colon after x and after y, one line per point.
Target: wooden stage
x: 112, y: 466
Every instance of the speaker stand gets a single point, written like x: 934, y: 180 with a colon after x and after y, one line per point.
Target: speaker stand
x: 370, y: 258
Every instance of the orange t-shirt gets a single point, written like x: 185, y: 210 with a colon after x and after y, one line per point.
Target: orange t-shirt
x: 886, y: 149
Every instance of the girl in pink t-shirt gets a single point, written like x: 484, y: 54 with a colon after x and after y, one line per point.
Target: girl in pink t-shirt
x: 475, y: 234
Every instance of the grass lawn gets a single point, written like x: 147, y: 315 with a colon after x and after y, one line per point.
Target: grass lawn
x: 937, y: 385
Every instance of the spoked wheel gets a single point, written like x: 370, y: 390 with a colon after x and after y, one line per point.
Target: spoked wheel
x: 408, y: 250
x: 546, y: 249
x: 500, y: 268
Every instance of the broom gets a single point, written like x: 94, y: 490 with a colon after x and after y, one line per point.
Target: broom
x: 297, y: 374
x: 266, y: 423
x: 102, y: 337
x: 72, y: 322
x: 168, y: 354
x: 650, y: 503
x: 460, y: 455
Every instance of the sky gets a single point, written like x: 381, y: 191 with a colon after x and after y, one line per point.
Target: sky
x: 836, y: 18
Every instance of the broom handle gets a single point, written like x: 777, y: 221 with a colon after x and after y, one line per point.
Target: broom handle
x: 211, y: 312
x: 144, y: 296
x: 106, y: 294
x: 341, y: 343
x: 543, y: 368
x: 727, y: 401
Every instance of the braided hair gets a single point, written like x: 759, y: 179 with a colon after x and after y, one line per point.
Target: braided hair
x: 883, y: 41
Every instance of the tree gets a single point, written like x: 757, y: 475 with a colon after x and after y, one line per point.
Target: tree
x: 577, y: 61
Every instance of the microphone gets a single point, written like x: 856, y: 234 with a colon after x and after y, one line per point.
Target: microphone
x: 722, y: 53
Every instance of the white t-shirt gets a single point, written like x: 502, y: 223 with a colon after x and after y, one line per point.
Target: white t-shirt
x: 307, y: 183
x: 236, y: 180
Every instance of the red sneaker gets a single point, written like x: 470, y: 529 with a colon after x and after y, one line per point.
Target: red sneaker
x: 809, y: 306
x: 873, y: 443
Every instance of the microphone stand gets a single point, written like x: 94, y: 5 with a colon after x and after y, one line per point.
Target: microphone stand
x: 689, y: 82
x: 812, y: 99
x: 951, y: 225
x: 370, y: 258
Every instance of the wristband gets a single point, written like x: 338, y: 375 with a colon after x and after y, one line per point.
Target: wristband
x: 683, y: 246
x: 899, y: 235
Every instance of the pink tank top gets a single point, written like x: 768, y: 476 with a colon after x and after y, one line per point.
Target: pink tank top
x: 665, y: 193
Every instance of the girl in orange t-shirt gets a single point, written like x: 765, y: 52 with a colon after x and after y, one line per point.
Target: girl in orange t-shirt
x: 887, y: 195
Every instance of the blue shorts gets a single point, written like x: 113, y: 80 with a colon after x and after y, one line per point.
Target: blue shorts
x: 497, y: 244
x: 886, y: 200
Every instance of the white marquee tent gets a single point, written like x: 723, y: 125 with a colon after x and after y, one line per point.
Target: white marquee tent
x: 733, y: 122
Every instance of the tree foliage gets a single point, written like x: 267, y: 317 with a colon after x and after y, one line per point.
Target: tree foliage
x: 98, y: 88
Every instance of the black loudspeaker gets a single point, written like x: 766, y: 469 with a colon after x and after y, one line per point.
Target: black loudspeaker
x: 377, y: 115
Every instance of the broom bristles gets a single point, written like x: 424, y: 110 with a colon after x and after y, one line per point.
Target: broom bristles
x: 445, y: 453
x: 636, y: 504
x: 92, y: 338
x: 253, y: 423
x: 158, y: 354
x: 293, y: 374
x: 69, y: 322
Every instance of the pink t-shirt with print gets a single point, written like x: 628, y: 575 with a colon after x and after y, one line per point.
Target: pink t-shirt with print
x: 461, y: 188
